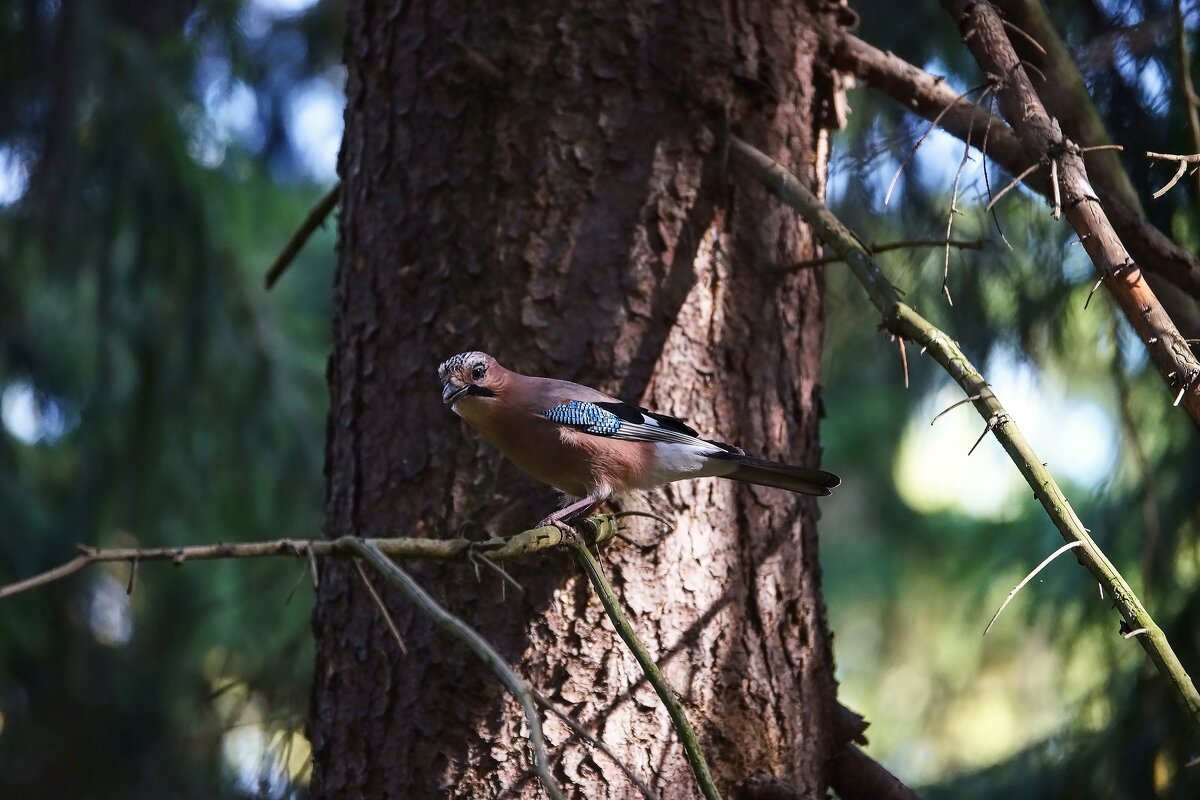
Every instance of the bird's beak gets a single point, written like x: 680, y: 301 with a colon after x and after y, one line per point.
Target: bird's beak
x: 451, y: 393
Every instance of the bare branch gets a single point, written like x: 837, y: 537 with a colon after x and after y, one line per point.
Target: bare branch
x: 987, y: 181
x: 467, y: 635
x: 1015, y: 181
x: 1032, y: 41
x: 1183, y: 163
x: 314, y: 220
x: 950, y: 219
x: 593, y: 741
x: 683, y: 726
x: 902, y: 320
x: 953, y: 406
x: 887, y: 197
x: 1045, y: 563
x: 387, y: 615
x: 1189, y: 92
x: 964, y: 244
x: 501, y: 549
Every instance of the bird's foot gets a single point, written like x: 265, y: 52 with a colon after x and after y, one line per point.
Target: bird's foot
x: 558, y: 520
x: 565, y: 518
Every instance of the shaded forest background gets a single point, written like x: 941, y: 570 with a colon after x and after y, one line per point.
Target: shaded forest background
x: 154, y: 160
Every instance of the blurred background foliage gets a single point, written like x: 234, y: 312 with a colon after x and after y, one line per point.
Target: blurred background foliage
x: 155, y: 157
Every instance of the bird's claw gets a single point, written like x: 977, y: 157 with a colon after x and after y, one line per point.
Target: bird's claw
x: 551, y: 521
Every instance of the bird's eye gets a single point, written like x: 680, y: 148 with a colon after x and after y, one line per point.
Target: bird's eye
x: 478, y: 372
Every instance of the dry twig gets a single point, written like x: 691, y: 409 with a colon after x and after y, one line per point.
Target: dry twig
x: 1190, y: 100
x: 314, y: 220
x: 963, y: 244
x: 1182, y: 168
x: 467, y: 635
x: 1045, y: 563
x: 887, y: 197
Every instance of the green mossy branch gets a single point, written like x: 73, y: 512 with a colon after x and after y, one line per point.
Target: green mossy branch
x: 683, y: 726
x: 900, y: 319
x: 525, y: 543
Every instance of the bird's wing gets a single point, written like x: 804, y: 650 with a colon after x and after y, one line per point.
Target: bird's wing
x: 617, y: 420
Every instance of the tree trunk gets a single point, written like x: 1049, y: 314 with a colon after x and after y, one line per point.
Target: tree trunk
x: 549, y: 185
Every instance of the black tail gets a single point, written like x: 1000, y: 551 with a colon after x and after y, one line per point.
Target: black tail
x: 781, y: 476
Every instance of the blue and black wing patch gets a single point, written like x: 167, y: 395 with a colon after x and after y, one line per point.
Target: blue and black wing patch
x: 588, y: 417
x: 624, y: 421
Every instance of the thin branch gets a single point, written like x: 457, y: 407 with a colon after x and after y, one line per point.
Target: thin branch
x: 963, y: 244
x: 1032, y: 41
x: 953, y: 406
x: 900, y: 319
x: 987, y: 182
x: 1056, y: 188
x: 49, y: 576
x: 479, y: 63
x: 1025, y: 173
x: 887, y: 197
x: 1185, y: 73
x: 314, y: 220
x: 1045, y: 563
x: 501, y: 549
x: 478, y: 558
x: 950, y: 217
x: 683, y: 726
x: 467, y: 635
x: 595, y: 742
x: 387, y: 615
x: 1067, y: 96
x: 1183, y: 164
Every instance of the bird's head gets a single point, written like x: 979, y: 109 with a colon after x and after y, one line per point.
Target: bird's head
x: 472, y: 375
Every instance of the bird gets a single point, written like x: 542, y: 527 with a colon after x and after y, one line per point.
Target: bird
x: 591, y: 446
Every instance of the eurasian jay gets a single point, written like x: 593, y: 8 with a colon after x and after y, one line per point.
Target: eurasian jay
x: 592, y: 446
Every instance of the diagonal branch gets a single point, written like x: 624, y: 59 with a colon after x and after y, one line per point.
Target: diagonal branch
x: 460, y: 630
x: 1185, y: 78
x: 315, y: 219
x: 964, y: 244
x: 901, y: 320
x: 683, y: 726
x: 593, y: 741
x: 1043, y: 137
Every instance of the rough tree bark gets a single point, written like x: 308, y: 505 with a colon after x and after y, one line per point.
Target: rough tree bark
x: 543, y: 184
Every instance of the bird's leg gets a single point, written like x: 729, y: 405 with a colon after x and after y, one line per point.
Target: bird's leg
x: 563, y: 518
